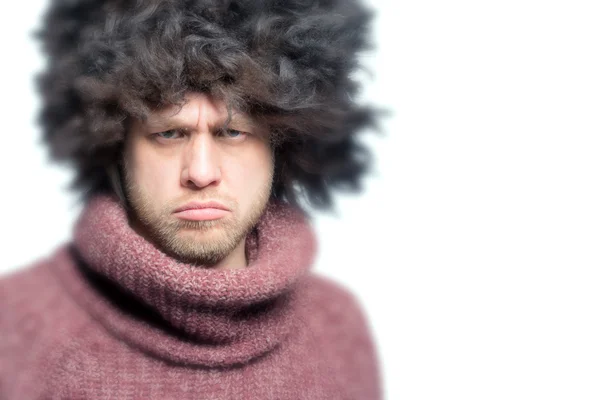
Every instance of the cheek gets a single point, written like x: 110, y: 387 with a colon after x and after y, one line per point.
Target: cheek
x: 155, y: 176
x: 252, y: 170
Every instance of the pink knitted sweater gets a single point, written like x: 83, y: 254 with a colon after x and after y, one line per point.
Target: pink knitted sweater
x: 109, y: 316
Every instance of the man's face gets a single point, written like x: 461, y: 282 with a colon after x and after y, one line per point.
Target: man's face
x: 182, y: 155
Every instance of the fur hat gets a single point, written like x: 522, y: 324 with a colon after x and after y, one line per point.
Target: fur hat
x: 289, y: 63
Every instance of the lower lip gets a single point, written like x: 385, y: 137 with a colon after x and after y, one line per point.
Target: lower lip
x: 201, y: 214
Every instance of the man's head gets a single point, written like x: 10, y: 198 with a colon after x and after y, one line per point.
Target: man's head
x: 237, y: 101
x: 199, y: 152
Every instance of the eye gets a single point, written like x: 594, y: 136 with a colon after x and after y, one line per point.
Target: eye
x: 170, y: 134
x: 232, y: 133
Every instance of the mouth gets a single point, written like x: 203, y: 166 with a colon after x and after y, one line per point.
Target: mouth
x: 201, y: 214
x: 201, y: 211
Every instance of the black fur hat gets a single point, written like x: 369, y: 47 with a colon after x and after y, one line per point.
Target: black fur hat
x: 289, y: 63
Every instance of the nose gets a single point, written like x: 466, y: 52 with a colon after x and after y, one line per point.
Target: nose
x: 201, y: 164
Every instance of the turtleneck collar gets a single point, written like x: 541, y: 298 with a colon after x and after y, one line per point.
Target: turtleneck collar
x: 187, y: 313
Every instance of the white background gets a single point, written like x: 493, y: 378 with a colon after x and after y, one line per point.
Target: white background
x: 475, y: 247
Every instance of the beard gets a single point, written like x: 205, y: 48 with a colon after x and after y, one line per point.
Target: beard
x: 201, y: 243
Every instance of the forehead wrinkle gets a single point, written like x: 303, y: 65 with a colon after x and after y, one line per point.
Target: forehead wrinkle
x: 210, y: 116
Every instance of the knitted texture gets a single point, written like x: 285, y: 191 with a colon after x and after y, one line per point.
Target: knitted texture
x: 110, y: 316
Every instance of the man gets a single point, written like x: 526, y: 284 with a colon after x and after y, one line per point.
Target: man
x: 194, y: 127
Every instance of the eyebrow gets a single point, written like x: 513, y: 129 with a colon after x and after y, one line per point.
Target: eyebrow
x: 159, y: 121
x: 241, y: 119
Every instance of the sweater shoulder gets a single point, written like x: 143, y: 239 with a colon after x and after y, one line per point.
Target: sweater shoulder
x: 335, y: 306
x: 330, y: 293
x: 34, y: 315
x: 20, y: 288
x: 26, y: 295
x: 339, y: 320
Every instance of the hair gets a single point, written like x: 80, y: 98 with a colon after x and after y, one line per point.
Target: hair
x: 288, y: 63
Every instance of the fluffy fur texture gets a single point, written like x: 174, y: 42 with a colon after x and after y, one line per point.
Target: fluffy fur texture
x: 290, y: 63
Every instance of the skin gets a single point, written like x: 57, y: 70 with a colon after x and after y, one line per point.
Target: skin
x: 180, y: 155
